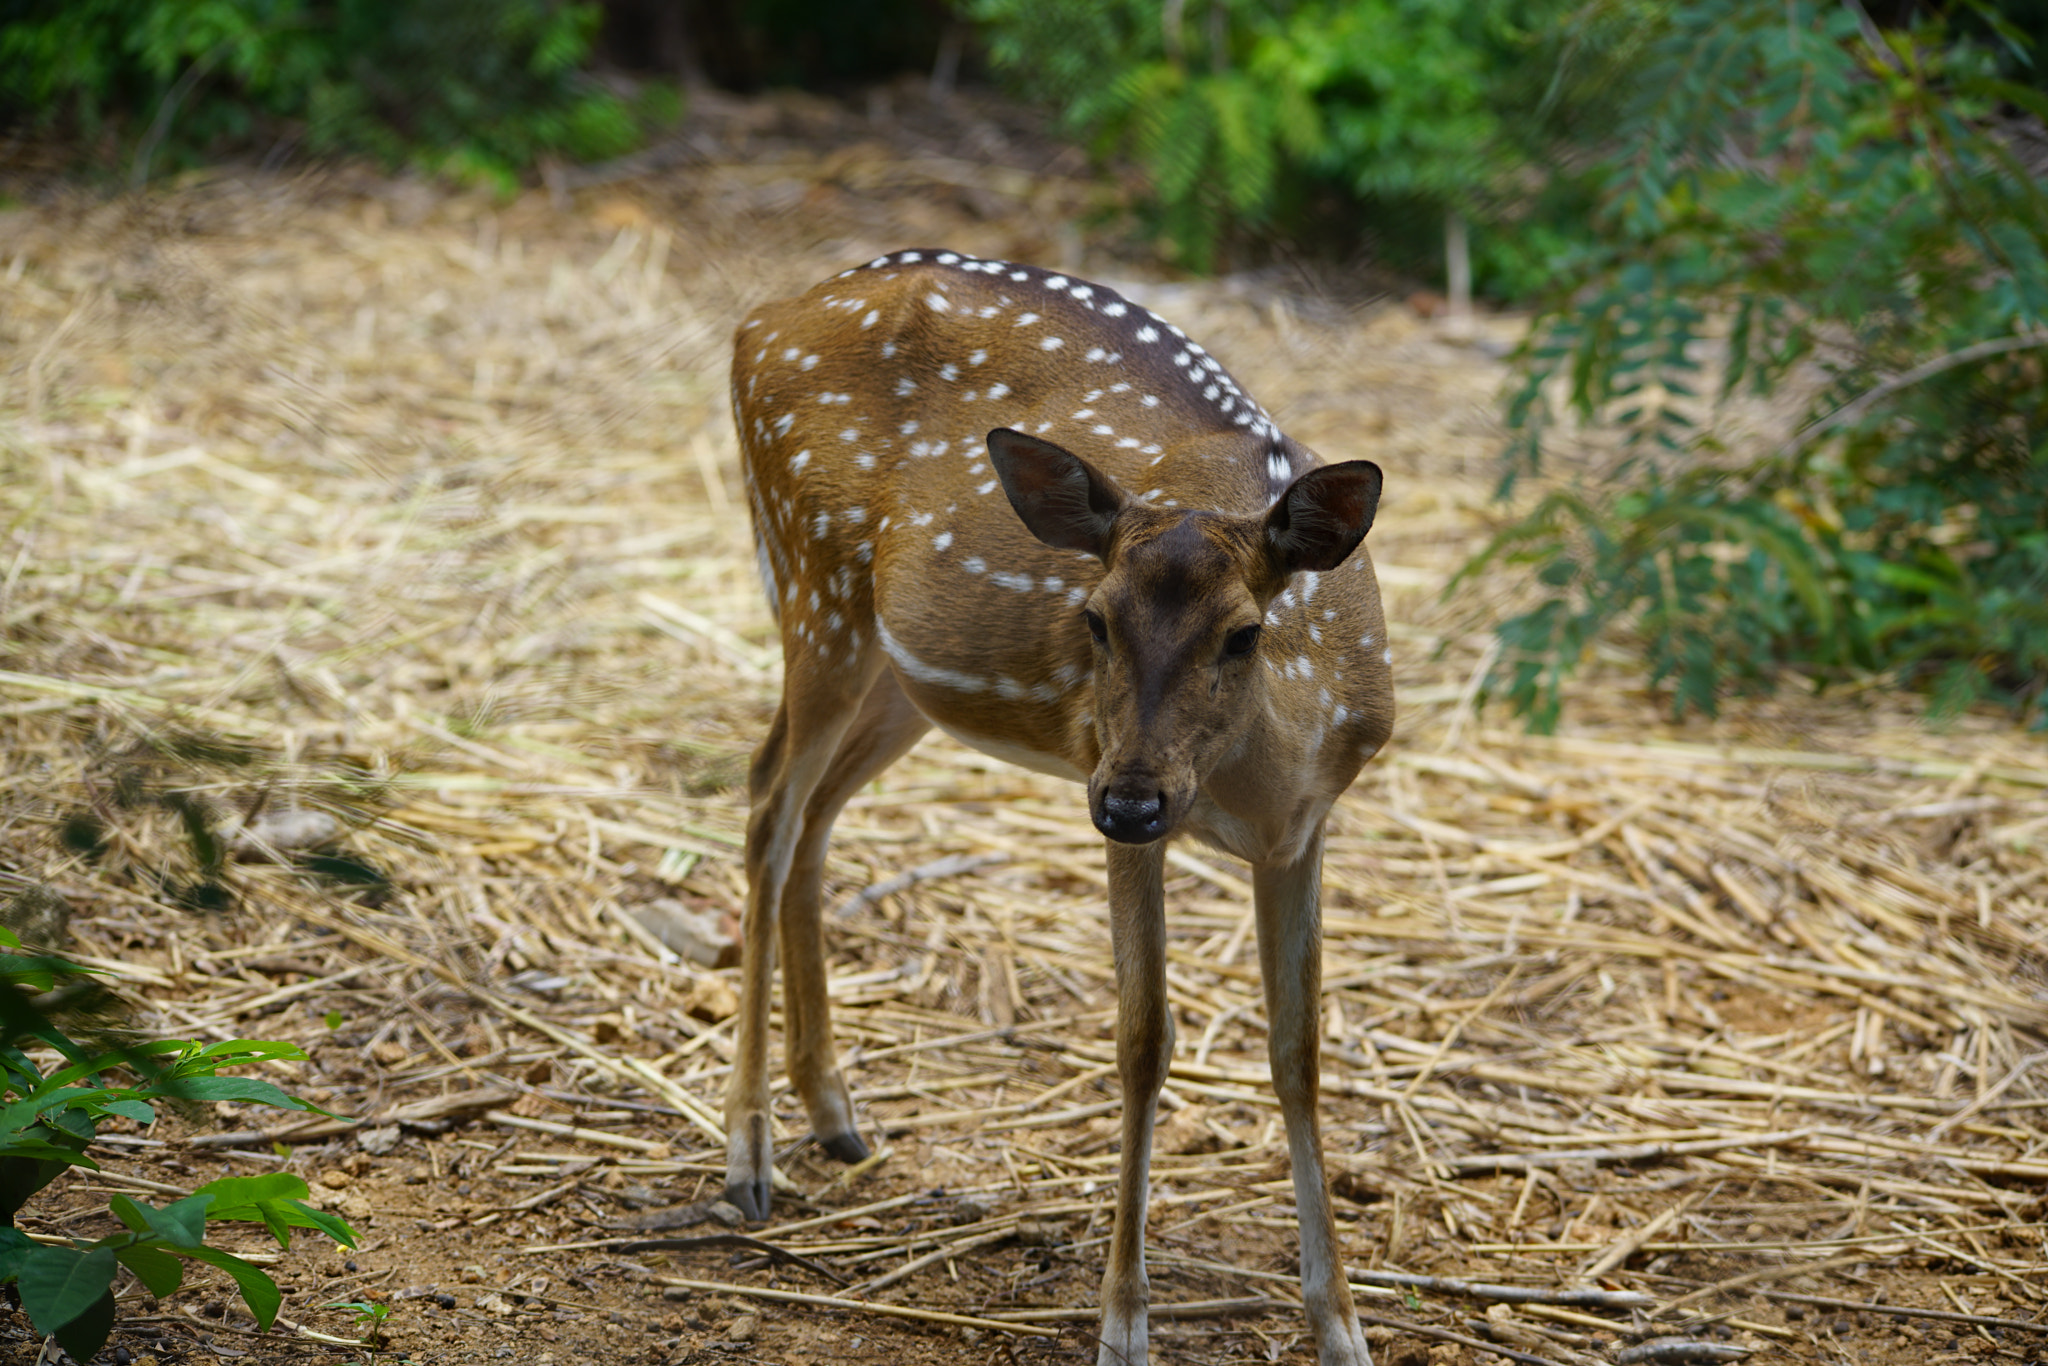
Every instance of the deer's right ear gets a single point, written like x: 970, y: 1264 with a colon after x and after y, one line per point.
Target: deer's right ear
x: 1063, y: 500
x: 1323, y: 516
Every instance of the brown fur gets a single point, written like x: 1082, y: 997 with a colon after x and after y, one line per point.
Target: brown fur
x: 960, y: 472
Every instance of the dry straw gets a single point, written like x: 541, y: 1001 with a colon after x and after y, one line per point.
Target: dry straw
x: 423, y: 513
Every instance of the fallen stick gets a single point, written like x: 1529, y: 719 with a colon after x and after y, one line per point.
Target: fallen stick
x: 952, y: 865
x: 780, y: 1254
x: 1509, y: 1294
x: 1900, y: 1311
x: 1688, y: 1351
x: 1446, y: 1335
x: 889, y: 1311
x: 1190, y: 1309
x: 1644, y: 1152
x: 1769, y: 1273
x: 953, y: 1249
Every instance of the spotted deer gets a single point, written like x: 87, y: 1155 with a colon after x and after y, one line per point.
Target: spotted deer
x: 1018, y: 507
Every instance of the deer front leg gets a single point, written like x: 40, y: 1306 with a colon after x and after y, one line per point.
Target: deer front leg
x: 1288, y: 898
x: 1144, y: 1047
x: 888, y: 725
x: 749, y: 1137
x: 818, y: 707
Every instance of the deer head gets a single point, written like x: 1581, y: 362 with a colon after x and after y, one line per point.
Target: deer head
x: 1175, y: 620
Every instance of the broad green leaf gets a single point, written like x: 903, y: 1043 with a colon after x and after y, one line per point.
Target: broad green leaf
x: 58, y: 1284
x: 159, y: 1270
x: 259, y: 1292
x: 302, y: 1215
x: 181, y: 1224
x: 87, y: 1331
x: 14, y: 1245
x: 243, y: 1190
x: 246, y: 1090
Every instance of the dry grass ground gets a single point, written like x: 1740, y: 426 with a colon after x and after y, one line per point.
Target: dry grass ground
x: 348, y: 495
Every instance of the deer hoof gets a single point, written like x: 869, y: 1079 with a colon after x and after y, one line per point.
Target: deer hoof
x: 749, y: 1168
x: 750, y: 1197
x: 847, y: 1147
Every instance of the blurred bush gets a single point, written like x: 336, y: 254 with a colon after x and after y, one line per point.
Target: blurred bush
x: 749, y: 45
x: 478, y: 88
x: 1847, y: 221
x: 1331, y: 120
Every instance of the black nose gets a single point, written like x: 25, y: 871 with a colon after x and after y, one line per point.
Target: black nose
x: 1132, y: 820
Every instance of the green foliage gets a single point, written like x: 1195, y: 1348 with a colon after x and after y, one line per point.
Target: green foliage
x: 1838, y: 211
x: 46, y: 1124
x: 1258, y: 114
x: 479, y: 88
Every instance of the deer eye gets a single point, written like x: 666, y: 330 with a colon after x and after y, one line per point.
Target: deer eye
x: 1096, y: 628
x: 1241, y: 642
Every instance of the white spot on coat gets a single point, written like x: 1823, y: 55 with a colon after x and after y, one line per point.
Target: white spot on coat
x: 918, y: 671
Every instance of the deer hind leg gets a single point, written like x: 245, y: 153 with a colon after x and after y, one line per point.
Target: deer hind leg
x: 1144, y: 1047
x: 888, y: 725
x: 819, y: 705
x: 1288, y: 900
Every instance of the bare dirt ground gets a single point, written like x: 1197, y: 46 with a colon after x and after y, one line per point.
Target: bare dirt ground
x: 345, y: 494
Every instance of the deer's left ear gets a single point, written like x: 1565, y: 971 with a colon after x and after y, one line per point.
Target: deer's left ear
x: 1064, y: 501
x: 1323, y: 516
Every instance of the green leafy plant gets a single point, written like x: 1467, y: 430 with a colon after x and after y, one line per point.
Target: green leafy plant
x: 476, y: 88
x: 1251, y: 116
x: 47, y: 1121
x: 369, y: 1317
x: 1837, y: 218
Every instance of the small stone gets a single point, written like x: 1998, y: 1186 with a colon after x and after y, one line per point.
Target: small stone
x: 744, y: 1329
x: 704, y: 937
x: 280, y: 830
x: 1040, y: 1233
x: 379, y: 1142
x: 336, y: 1179
x: 711, y: 999
x: 726, y: 1213
x: 972, y: 1209
x: 1186, y: 1133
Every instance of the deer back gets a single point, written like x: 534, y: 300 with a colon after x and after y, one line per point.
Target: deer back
x: 865, y: 408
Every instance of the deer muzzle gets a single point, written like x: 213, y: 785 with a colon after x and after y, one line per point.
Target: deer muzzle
x: 1137, y: 816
